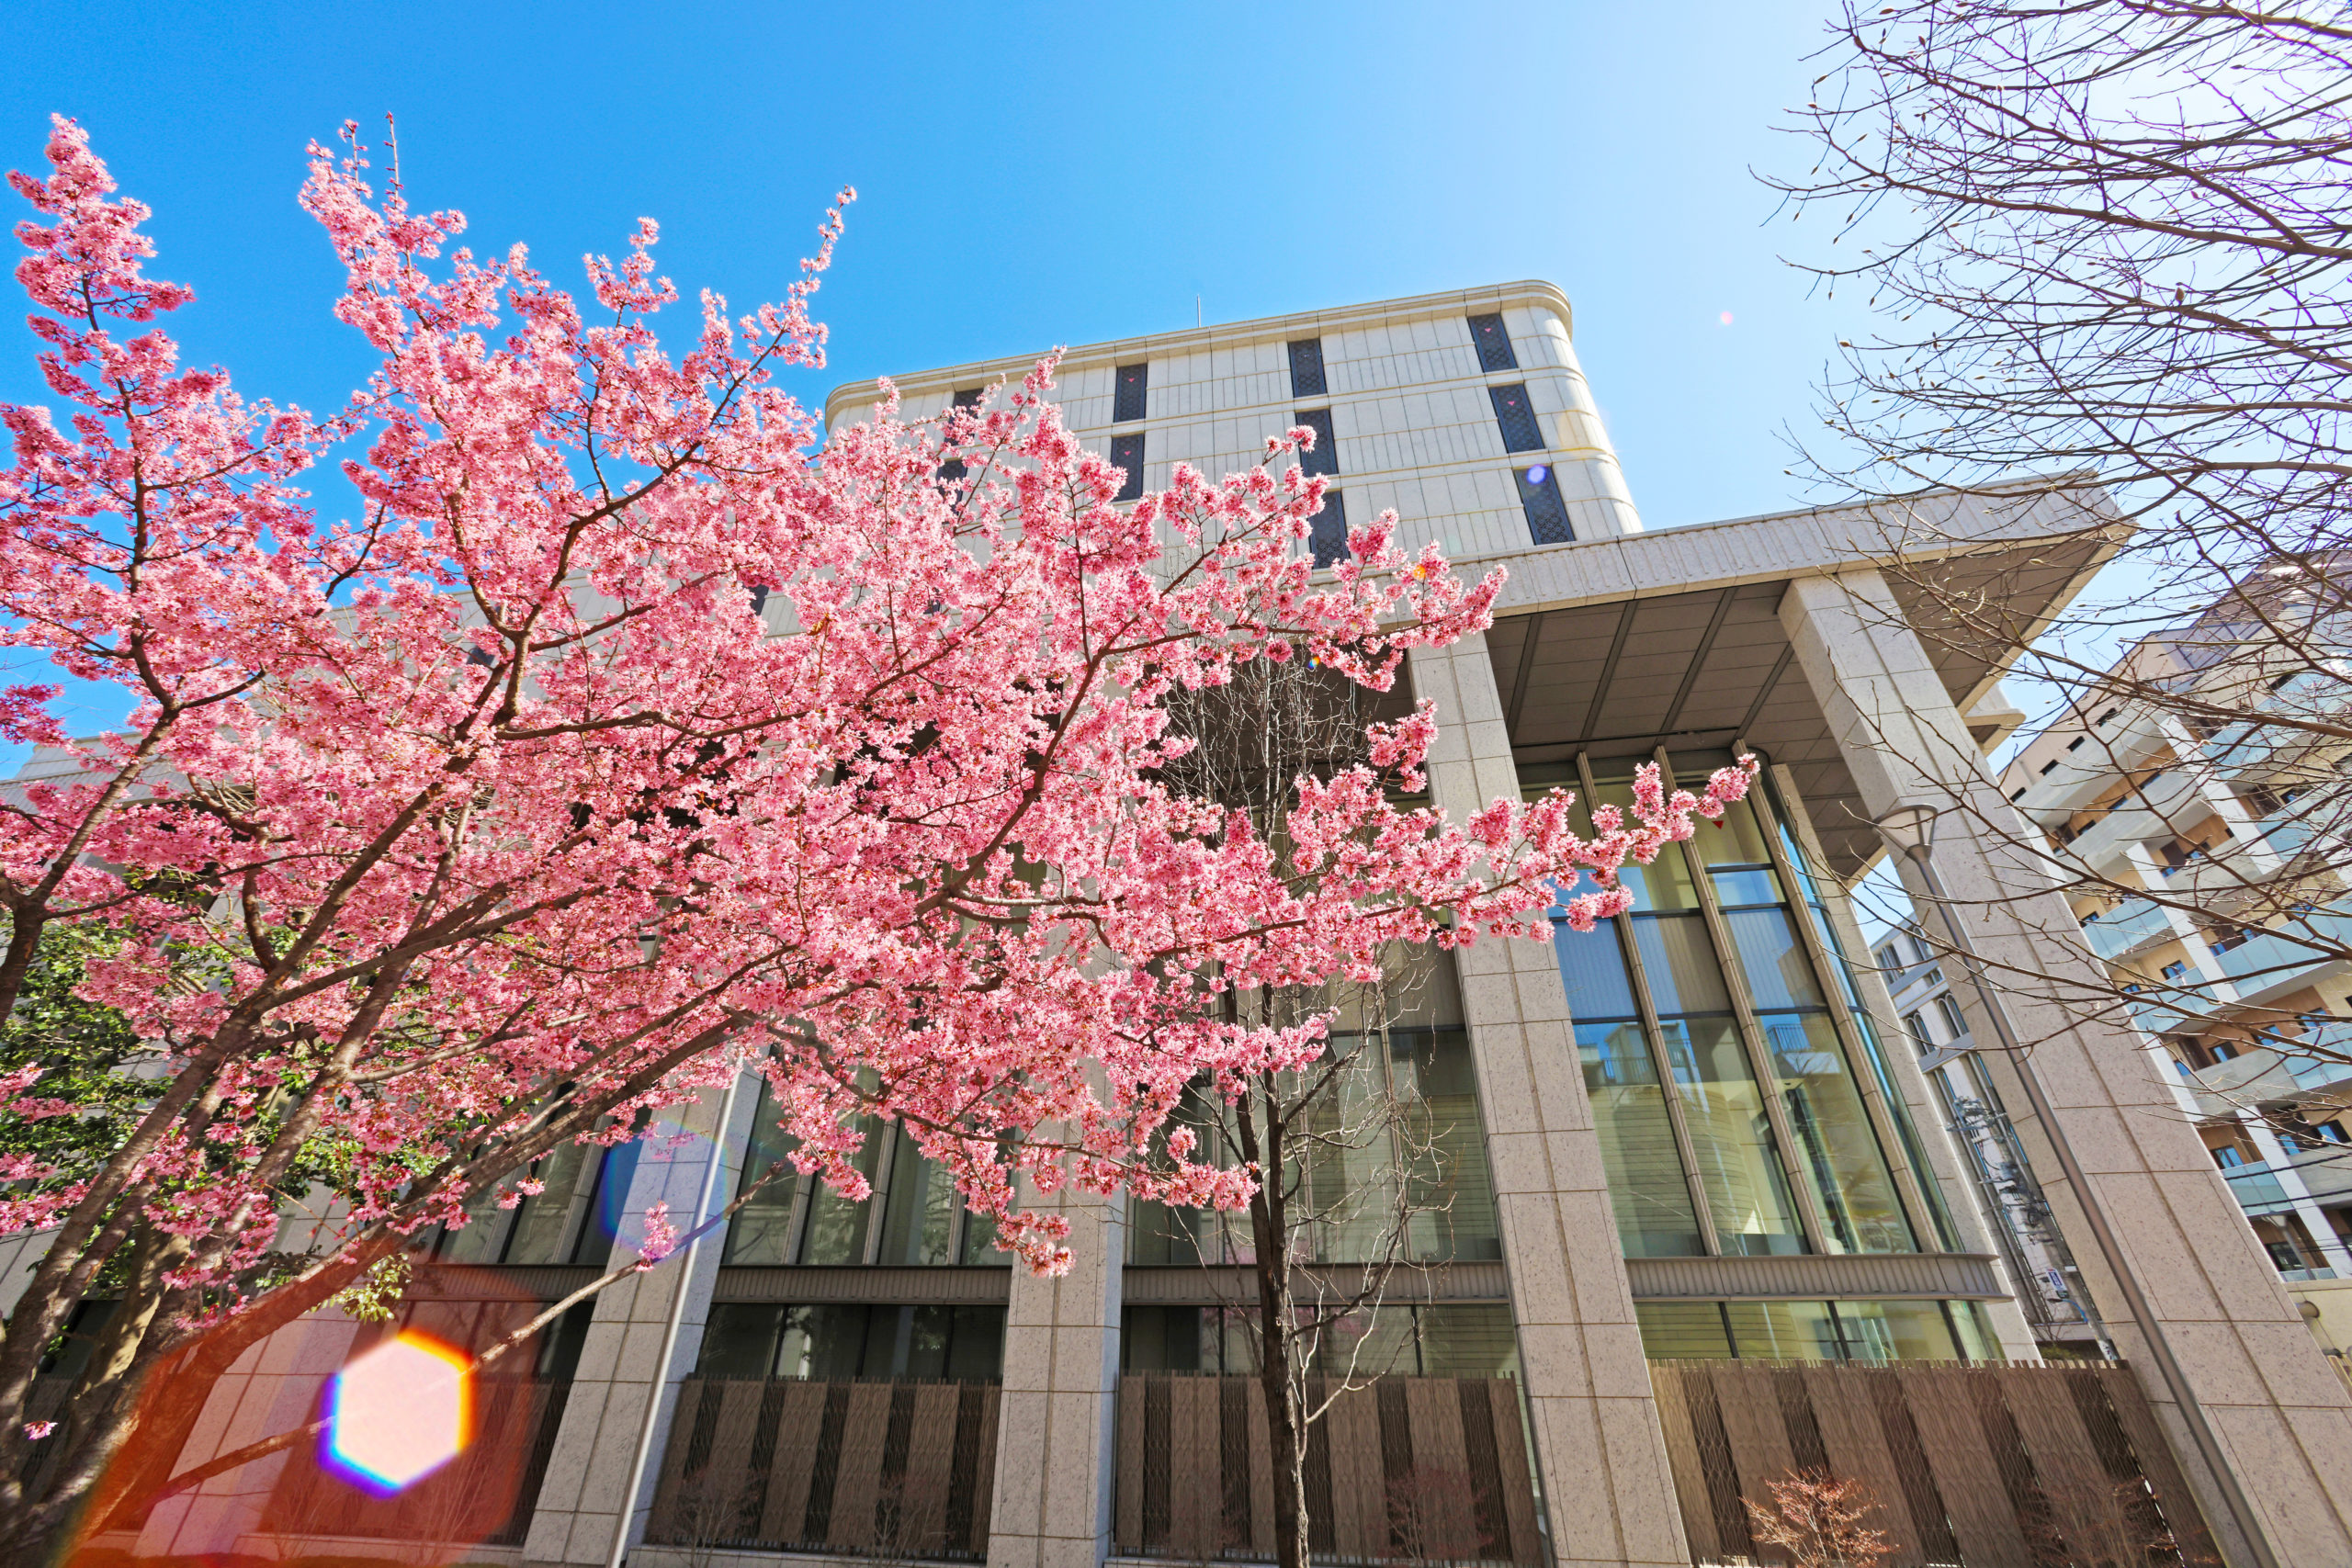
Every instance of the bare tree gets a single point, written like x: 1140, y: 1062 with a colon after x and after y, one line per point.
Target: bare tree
x: 2105, y: 243
x: 1359, y: 1170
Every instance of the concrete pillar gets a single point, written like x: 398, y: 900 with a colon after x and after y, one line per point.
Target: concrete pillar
x: 2284, y: 1420
x: 621, y: 1369
x: 1053, y: 1468
x: 1598, y: 1449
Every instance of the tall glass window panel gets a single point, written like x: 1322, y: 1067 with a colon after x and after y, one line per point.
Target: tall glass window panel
x: 1453, y: 1198
x: 1896, y: 1331
x: 761, y: 1232
x: 1779, y: 975
x: 1740, y: 1169
x: 918, y: 1219
x: 1838, y: 1150
x: 1592, y: 969
x: 1683, y: 1331
x: 1678, y: 961
x: 836, y: 1224
x: 1464, y: 1342
x: 1809, y: 893
x: 482, y: 1237
x: 1665, y: 883
x: 543, y: 1224
x: 1783, y: 1331
x: 1647, y: 1190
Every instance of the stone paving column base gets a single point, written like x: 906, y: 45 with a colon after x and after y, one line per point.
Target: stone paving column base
x: 1053, y: 1468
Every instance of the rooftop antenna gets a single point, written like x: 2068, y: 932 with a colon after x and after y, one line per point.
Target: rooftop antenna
x: 1197, y: 311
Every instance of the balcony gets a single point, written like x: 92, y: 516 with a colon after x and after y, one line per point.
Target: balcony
x: 2127, y: 928
x: 2257, y: 1190
x: 2270, y: 961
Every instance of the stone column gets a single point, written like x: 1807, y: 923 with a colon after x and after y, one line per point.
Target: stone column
x: 2283, y: 1418
x: 621, y: 1372
x: 1600, y: 1451
x: 1052, y: 1506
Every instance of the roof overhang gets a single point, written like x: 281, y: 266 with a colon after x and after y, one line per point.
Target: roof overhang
x: 1674, y: 638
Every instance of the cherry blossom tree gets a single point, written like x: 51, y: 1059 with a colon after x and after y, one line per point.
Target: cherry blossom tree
x: 619, y: 740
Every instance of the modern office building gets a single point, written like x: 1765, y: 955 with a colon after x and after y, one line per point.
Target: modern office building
x: 1696, y: 1137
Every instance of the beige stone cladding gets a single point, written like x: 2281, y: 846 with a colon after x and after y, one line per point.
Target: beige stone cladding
x: 1415, y: 425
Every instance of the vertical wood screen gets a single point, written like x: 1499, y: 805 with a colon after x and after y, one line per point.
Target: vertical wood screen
x: 889, y: 1468
x: 1993, y: 1466
x: 1410, y: 1469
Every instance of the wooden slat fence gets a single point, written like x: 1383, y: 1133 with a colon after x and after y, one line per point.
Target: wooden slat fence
x: 891, y: 1468
x: 1410, y: 1469
x: 1981, y: 1465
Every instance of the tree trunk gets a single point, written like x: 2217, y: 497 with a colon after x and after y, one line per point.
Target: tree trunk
x: 1279, y: 1376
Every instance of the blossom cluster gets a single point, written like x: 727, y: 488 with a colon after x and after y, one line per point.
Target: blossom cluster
x: 625, y: 734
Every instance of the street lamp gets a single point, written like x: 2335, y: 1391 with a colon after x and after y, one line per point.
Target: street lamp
x: 1910, y: 833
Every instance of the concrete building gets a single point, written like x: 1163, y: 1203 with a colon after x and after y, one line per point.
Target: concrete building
x: 2046, y: 1284
x: 1696, y: 1135
x: 2200, y: 849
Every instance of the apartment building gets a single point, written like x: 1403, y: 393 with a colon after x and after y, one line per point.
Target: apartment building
x: 2046, y: 1284
x: 2208, y: 864
x: 1698, y: 1137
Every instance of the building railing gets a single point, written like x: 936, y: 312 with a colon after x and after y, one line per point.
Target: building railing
x: 2256, y: 1189
x: 2131, y: 925
x: 888, y: 1467
x: 2269, y: 959
x: 1406, y: 1469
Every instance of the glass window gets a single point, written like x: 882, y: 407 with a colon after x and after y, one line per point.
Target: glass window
x: 1515, y: 417
x: 1779, y: 973
x: 740, y: 1340
x: 1783, y: 1331
x: 609, y: 1212
x: 1646, y: 1189
x: 544, y: 1222
x: 1740, y: 1169
x: 1493, y: 343
x: 483, y: 1234
x: 1306, y: 367
x: 1540, y: 499
x: 1975, y: 1333
x: 1465, y: 1342
x: 1454, y: 1194
x: 761, y: 1232
x: 1126, y: 453
x: 1663, y: 885
x: 1747, y: 884
x: 1839, y: 1152
x: 1592, y: 967
x: 1678, y: 961
x: 1328, y: 531
x: 1324, y: 458
x: 1129, y: 382
x: 919, y: 1212
x: 1683, y: 1331
x: 1896, y: 1331
x: 836, y: 1224
x: 1737, y: 840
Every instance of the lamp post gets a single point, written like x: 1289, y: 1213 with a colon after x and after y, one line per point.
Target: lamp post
x: 1910, y: 831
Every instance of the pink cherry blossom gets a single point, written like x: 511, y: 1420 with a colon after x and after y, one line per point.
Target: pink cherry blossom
x: 469, y: 806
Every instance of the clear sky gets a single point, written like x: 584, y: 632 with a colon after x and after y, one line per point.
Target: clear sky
x: 1028, y: 174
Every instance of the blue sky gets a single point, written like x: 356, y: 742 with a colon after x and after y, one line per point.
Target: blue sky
x: 1028, y: 176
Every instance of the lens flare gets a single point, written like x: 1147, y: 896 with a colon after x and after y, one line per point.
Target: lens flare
x: 1537, y: 474
x: 398, y: 1414
x: 1724, y: 317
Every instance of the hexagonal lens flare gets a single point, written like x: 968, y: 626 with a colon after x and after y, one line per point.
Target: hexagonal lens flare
x: 399, y: 1412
